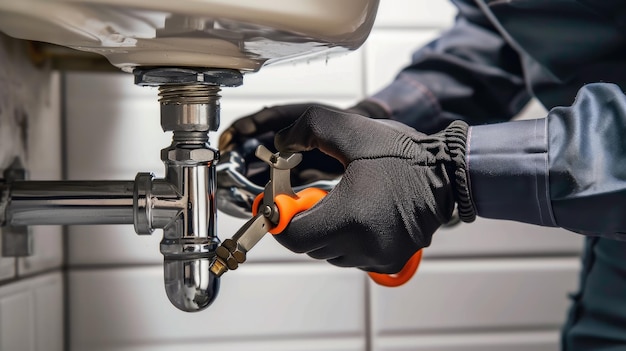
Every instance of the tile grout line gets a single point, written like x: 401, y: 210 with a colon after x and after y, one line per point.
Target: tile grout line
x: 65, y: 233
x: 369, y: 333
x: 369, y: 338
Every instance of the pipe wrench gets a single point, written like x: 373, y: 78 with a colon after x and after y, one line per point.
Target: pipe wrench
x: 272, y: 211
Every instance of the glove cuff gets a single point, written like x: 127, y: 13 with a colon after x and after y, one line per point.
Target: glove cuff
x: 369, y: 109
x: 456, y: 140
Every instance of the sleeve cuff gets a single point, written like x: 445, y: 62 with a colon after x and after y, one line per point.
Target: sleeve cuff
x: 508, y: 171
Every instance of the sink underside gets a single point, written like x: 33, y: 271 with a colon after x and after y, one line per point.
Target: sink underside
x: 243, y: 35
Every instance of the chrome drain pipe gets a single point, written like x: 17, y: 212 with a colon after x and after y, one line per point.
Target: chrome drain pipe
x: 178, y: 204
x: 183, y: 203
x: 68, y: 202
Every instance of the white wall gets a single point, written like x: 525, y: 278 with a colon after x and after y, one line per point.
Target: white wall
x: 485, y: 286
x: 31, y: 288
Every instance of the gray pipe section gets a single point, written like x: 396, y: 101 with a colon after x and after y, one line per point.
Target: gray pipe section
x: 69, y: 202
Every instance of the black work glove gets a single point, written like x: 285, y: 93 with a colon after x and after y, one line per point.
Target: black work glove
x: 399, y: 186
x: 246, y: 133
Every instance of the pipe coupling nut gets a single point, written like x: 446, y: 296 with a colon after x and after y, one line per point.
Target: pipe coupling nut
x: 142, y: 203
x: 189, y: 156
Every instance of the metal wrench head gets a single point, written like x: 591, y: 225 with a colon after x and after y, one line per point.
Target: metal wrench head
x: 280, y: 164
x: 233, y: 251
x: 279, y: 160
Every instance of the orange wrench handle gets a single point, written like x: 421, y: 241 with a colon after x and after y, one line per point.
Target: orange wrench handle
x: 397, y: 279
x: 289, y: 207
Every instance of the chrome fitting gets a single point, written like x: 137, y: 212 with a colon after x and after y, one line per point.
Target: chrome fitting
x: 189, y: 285
x: 192, y: 172
x: 188, y: 156
x: 189, y: 107
x: 188, y: 96
x: 160, y: 76
x: 190, y: 240
x: 142, y: 203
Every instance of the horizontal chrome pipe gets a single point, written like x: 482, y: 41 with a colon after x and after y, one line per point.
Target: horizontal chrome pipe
x: 183, y: 205
x: 68, y: 202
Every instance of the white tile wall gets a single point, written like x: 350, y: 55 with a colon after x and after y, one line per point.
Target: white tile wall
x: 301, y: 344
x: 460, y: 299
x: 36, y: 93
x: 31, y: 309
x: 31, y: 314
x: 381, y: 66
x: 337, y: 77
x: 43, y: 158
x: 497, y: 238
x: 127, y: 309
x: 477, y: 294
x: 495, y: 341
x: 47, y: 251
x: 412, y: 14
x: 43, y: 162
x: 113, y: 128
x: 7, y: 267
x: 17, y: 310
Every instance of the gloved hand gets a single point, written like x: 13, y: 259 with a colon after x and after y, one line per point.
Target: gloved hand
x: 399, y: 186
x: 261, y: 127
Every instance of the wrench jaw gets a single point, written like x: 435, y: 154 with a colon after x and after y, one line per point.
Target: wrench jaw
x: 232, y: 252
x: 280, y: 164
x: 236, y: 193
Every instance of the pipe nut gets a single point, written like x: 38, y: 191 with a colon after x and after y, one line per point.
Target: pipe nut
x: 190, y: 155
x: 226, y: 258
x: 235, y: 250
x: 230, y: 254
x: 187, y: 75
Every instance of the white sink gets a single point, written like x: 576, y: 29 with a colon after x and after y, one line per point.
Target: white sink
x: 236, y: 34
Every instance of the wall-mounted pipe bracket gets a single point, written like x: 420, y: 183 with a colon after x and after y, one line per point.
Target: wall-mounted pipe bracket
x: 17, y: 241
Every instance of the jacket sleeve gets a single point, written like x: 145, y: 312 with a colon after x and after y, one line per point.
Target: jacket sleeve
x: 468, y: 73
x: 566, y: 170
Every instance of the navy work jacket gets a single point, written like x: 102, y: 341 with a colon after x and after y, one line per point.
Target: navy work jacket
x: 566, y: 170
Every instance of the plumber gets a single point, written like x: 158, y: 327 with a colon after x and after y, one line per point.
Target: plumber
x: 460, y: 91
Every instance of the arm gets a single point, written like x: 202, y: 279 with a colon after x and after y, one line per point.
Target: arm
x: 469, y: 73
x: 567, y: 170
